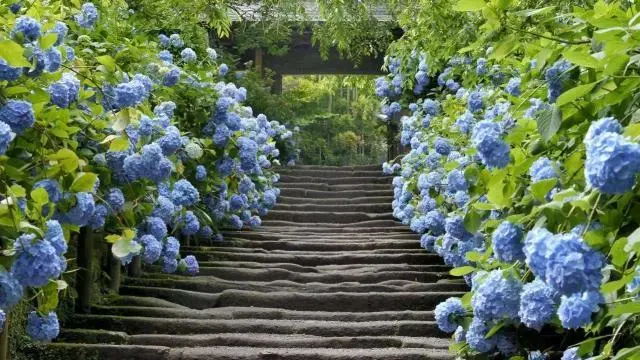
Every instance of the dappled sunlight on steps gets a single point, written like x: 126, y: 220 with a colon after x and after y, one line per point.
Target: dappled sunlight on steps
x: 330, y: 275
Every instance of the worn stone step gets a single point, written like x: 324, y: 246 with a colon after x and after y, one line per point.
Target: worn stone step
x: 349, y: 302
x: 336, y: 194
x: 288, y: 341
x: 321, y: 259
x: 367, y: 225
x: 347, y: 249
x: 291, y: 179
x: 230, y: 313
x: 219, y: 285
x: 144, y: 301
x: 371, y: 167
x: 326, y: 216
x: 332, y: 173
x: 58, y: 351
x: 265, y: 234
x: 172, y: 326
x: 336, y: 187
x: 270, y: 274
x: 284, y: 200
x: 317, y: 245
x: 341, y: 208
x: 251, y: 353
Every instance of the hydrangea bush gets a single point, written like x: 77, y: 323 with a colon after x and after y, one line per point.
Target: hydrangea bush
x: 521, y: 173
x: 105, y: 128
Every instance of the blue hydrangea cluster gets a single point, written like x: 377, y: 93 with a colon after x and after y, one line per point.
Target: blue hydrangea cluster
x: 513, y: 86
x: 447, y: 314
x: 475, y: 101
x: 188, y: 55
x: 555, y: 77
x: 476, y: 336
x: 575, y: 310
x: 43, y: 328
x: 27, y: 27
x: 152, y: 248
x: 6, y: 137
x: 8, y: 72
x: 65, y: 91
x: 184, y: 193
x: 493, y: 151
x: 190, y: 265
x: 190, y: 223
x: 612, y: 161
x: 36, y: 262
x: 571, y: 354
x: 150, y: 164
x: 537, y: 304
x: 543, y: 169
x: 11, y: 290
x: 99, y: 216
x: 497, y: 297
x: 88, y: 15
x: 18, y: 114
x: 507, y: 242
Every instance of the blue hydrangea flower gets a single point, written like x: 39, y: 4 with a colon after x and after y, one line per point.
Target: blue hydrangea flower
x: 431, y: 107
x: 254, y: 222
x: 6, y: 137
x: 10, y: 290
x: 150, y: 164
x: 461, y: 198
x: 163, y: 40
x: 212, y: 54
x: 171, y: 141
x: 465, y: 122
x: 152, y: 249
x: 171, y: 248
x: 55, y: 236
x: 447, y: 314
x: 65, y: 91
x: 176, y: 41
x: 184, y: 193
x: 81, y: 213
x: 15, y: 7
x: 61, y: 30
x: 427, y: 241
x: 507, y: 242
x: 28, y: 27
x: 7, y: 72
x: 486, y: 137
x: 434, y: 221
x: 130, y: 94
x: 88, y: 15
x: 115, y: 199
x: 52, y: 187
x: 476, y: 336
x: 575, y: 310
x: 205, y: 232
x: 454, y: 226
x: 536, y: 107
x: 190, y: 265
x: 555, y: 77
x: 52, y: 59
x: 604, y: 125
x: 456, y: 181
x: 475, y: 101
x: 442, y: 146
x: 156, y: 227
x: 43, y: 328
x: 537, y: 304
x: 18, y: 114
x: 543, y: 169
x: 571, y: 354
x: 37, y: 261
x: 188, y: 55
x: 536, y: 355
x: 634, y: 285
x: 171, y: 77
x: 536, y: 246
x: 167, y: 108
x: 481, y: 66
x: 235, y: 222
x: 223, y: 69
x: 99, y: 216
x: 497, y: 297
x: 169, y: 265
x: 612, y: 163
x: 70, y: 53
x: 201, y: 173
x: 165, y: 56
x: 513, y: 86
x: 190, y: 223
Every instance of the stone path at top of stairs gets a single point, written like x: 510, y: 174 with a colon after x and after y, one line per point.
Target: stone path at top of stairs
x: 330, y: 275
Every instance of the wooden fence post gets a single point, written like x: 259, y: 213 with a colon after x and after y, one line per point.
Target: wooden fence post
x: 84, y: 278
x: 135, y: 268
x: 115, y: 270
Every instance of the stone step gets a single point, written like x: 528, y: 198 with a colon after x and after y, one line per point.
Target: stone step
x: 230, y: 313
x: 317, y: 245
x: 331, y: 174
x: 179, y: 326
x: 293, y: 341
x: 352, y: 250
x: 337, y: 208
x: 219, y: 285
x: 66, y: 351
x: 320, y: 259
x: 337, y: 187
x: 325, y: 216
x: 332, y: 167
x: 266, y: 235
x: 271, y: 274
x: 367, y: 227
x: 251, y: 353
x: 144, y: 301
x: 291, y: 179
x: 349, y: 302
x: 386, y: 199
x: 336, y: 194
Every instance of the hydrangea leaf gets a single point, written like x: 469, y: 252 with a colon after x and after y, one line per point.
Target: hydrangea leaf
x: 108, y: 62
x: 12, y: 53
x: 548, y: 122
x: 461, y: 271
x: 84, y: 182
x: 40, y: 196
x: 469, y: 5
x: 575, y: 93
x: 542, y: 188
x: 48, y: 40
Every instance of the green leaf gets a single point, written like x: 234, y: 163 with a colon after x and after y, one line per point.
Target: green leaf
x: 627, y: 353
x: 17, y: 191
x: 541, y: 188
x: 532, y: 12
x: 628, y: 308
x: 473, y: 256
x: 503, y: 4
x: 461, y: 271
x: 50, y: 294
x: 40, y: 196
x: 48, y: 40
x: 575, y: 93
x: 472, y: 220
x: 119, y: 144
x: 13, y: 54
x: 633, y: 241
x: 123, y: 247
x: 616, y: 285
x: 494, y: 330
x: 67, y: 159
x: 618, y: 255
x: 579, y: 55
x: 469, y: 5
x: 548, y: 122
x: 84, y: 182
x: 107, y: 61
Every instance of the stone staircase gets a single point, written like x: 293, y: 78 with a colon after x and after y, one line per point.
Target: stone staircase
x: 330, y: 275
